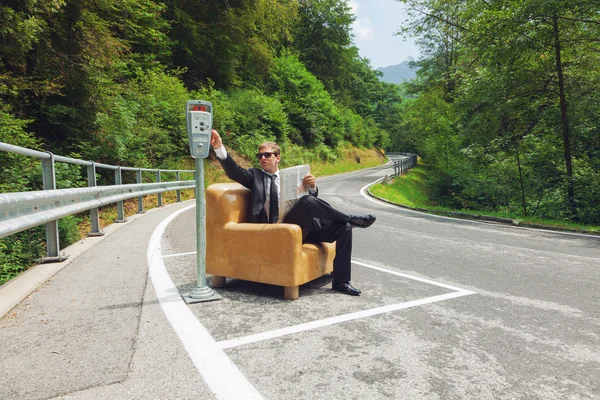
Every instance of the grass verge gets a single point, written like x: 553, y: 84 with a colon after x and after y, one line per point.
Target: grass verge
x: 410, y: 191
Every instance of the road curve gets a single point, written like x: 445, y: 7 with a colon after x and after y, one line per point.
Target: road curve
x: 450, y: 309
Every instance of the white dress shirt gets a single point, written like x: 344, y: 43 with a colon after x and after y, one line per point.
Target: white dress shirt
x: 222, y: 154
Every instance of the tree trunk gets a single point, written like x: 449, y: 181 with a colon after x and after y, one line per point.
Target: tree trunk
x: 521, y: 179
x: 564, y: 120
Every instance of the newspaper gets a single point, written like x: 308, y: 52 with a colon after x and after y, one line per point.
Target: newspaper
x: 291, y: 187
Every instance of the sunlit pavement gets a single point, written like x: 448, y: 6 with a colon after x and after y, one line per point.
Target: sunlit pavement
x: 449, y: 309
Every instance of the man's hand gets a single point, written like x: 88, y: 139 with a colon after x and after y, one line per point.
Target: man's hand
x: 215, y: 140
x: 310, y: 181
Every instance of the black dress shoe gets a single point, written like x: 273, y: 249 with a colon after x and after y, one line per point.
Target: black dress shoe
x: 362, y: 221
x: 345, y: 287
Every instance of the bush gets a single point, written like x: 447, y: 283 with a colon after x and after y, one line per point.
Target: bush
x: 257, y: 114
x: 224, y: 119
x: 587, y: 191
x: 19, y: 251
x: 17, y: 172
x: 311, y: 110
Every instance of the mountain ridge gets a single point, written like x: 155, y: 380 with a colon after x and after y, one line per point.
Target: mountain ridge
x: 397, y: 73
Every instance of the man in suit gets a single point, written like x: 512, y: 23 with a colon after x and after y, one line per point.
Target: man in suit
x: 319, y: 221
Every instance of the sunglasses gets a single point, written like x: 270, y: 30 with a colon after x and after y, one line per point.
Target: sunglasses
x: 266, y: 154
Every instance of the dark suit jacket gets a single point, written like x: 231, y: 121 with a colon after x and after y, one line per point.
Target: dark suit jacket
x: 255, y: 180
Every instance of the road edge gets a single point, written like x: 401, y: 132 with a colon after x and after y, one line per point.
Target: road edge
x: 478, y: 217
x: 18, y: 288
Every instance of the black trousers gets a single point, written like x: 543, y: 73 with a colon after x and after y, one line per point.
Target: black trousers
x: 320, y: 222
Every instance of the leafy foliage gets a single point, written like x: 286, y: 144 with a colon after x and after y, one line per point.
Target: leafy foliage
x: 17, y: 172
x: 311, y: 110
x: 503, y: 114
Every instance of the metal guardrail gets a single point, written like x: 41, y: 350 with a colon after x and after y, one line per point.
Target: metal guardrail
x: 401, y: 166
x: 24, y: 210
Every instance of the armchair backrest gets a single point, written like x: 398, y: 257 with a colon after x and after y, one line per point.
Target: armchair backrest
x: 226, y: 202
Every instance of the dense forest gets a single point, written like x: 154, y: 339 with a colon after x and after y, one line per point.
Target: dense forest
x: 507, y: 112
x: 108, y: 80
x: 504, y: 110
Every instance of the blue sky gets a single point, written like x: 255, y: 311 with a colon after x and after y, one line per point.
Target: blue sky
x: 374, y: 28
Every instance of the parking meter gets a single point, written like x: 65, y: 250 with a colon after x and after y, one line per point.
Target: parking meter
x: 199, y: 127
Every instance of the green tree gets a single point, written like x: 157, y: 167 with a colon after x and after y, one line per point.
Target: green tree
x: 230, y: 43
x: 312, y: 112
x: 17, y: 172
x: 324, y: 43
x: 520, y: 76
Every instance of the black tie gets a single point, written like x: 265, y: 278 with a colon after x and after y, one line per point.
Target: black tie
x: 274, y: 206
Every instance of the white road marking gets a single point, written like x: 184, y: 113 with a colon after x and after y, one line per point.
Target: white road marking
x: 226, y: 344
x: 458, y: 292
x: 179, y: 254
x: 220, y: 374
x: 414, y: 278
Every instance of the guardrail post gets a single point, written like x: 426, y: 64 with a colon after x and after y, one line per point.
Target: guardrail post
x: 52, y: 240
x: 94, y: 217
x: 160, y: 194
x: 120, y: 210
x: 177, y: 178
x: 138, y: 179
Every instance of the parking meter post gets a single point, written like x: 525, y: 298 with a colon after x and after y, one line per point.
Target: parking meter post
x: 199, y: 127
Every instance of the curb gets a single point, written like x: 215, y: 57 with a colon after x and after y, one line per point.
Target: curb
x: 487, y: 218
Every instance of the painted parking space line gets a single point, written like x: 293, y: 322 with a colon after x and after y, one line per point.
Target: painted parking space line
x: 414, y: 278
x: 220, y: 374
x: 179, y: 254
x: 226, y: 344
x: 457, y: 292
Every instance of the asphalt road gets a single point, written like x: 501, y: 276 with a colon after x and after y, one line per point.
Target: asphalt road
x: 450, y: 309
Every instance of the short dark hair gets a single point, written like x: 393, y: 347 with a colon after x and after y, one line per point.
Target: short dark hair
x: 272, y: 145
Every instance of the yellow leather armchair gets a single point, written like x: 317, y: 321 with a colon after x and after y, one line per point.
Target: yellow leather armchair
x: 265, y: 253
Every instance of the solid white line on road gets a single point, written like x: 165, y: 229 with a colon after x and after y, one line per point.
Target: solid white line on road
x: 220, y: 374
x: 226, y: 344
x: 414, y: 278
x: 179, y: 255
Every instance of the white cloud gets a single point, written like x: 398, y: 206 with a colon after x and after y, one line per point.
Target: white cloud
x: 373, y: 28
x: 361, y: 26
x: 362, y: 29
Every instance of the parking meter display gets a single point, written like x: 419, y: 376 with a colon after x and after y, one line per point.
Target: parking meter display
x: 199, y: 127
